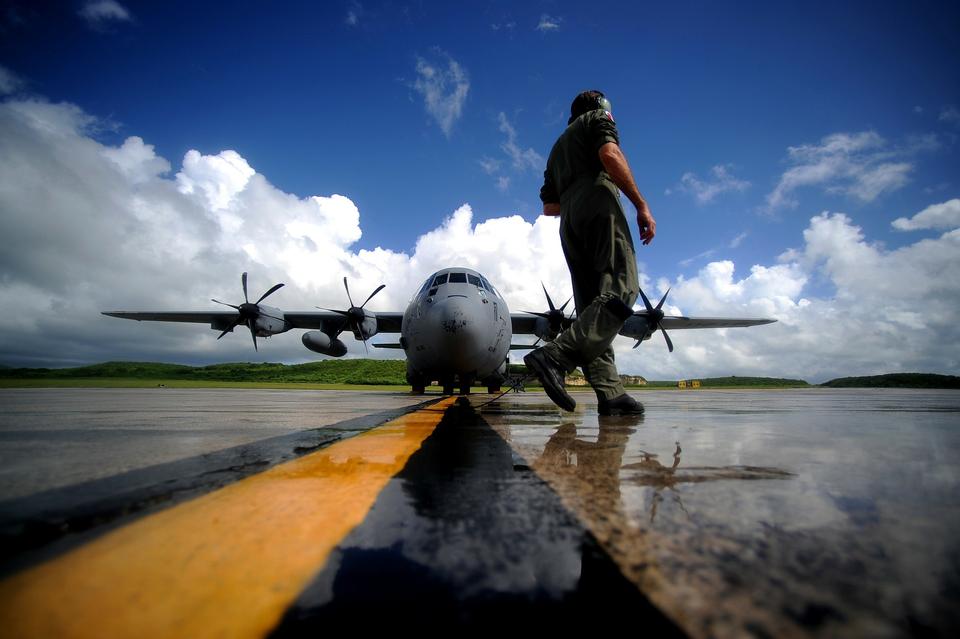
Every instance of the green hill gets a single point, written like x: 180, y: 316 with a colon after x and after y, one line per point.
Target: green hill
x: 896, y: 380
x: 350, y: 371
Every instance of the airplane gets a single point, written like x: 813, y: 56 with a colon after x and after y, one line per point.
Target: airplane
x: 456, y: 328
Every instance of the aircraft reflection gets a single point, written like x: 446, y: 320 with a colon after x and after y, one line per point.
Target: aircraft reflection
x: 597, y: 468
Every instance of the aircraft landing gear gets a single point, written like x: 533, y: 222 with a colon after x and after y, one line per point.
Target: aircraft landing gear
x: 418, y: 389
x: 447, y: 386
x: 493, y: 388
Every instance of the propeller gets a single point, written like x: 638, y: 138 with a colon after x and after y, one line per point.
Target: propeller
x: 654, y: 316
x: 555, y: 316
x: 355, y: 314
x: 248, y: 313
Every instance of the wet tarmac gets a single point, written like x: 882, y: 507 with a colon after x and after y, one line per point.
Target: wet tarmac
x: 718, y: 513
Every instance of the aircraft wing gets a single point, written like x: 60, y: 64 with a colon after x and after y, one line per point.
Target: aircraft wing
x: 674, y: 322
x: 329, y: 322
x: 214, y: 318
x: 524, y: 323
x: 322, y: 320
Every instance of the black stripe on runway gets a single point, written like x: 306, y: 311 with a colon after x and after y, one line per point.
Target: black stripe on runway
x: 464, y: 537
x: 42, y: 525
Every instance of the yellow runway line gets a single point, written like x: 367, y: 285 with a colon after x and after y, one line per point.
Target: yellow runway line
x: 227, y: 564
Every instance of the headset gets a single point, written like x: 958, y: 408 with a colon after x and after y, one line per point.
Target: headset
x: 578, y: 107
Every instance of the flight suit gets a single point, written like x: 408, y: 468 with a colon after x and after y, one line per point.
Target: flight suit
x: 598, y: 247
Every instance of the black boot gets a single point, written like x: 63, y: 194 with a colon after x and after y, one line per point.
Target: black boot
x: 622, y: 405
x: 551, y: 375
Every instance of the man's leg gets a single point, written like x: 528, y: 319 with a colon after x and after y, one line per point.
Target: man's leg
x: 603, y: 376
x: 599, y: 251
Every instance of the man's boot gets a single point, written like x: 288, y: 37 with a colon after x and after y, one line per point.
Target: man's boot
x: 622, y: 405
x: 551, y: 375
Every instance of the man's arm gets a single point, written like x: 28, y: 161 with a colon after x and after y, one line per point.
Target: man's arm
x: 615, y: 164
x: 551, y: 208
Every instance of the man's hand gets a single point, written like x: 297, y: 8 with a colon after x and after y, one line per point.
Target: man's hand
x: 551, y: 208
x: 647, y: 225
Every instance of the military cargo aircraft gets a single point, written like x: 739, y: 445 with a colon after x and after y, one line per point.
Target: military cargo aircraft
x: 457, y: 328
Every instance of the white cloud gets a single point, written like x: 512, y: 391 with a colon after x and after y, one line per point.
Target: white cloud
x: 10, y: 82
x: 950, y: 115
x: 735, y: 242
x: 548, y: 23
x: 705, y: 191
x: 490, y: 166
x: 521, y: 159
x: 444, y: 88
x: 891, y: 311
x: 936, y: 216
x: 90, y: 227
x: 100, y: 12
x: 353, y: 14
x: 861, y: 165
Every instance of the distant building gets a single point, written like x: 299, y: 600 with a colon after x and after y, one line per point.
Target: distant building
x: 576, y: 379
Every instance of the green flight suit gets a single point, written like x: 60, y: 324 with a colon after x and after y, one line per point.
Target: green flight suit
x: 599, y: 249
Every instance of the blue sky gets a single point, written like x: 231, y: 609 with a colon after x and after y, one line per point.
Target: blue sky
x: 741, y: 121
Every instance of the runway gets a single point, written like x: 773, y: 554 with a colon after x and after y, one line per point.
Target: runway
x: 249, y: 513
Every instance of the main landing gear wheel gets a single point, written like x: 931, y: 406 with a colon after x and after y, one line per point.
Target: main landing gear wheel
x: 495, y: 388
x: 447, y: 387
x: 418, y: 389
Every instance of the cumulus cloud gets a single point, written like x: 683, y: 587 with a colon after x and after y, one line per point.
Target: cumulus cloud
x: 90, y: 227
x: 720, y: 181
x: 443, y: 84
x: 891, y: 310
x: 548, y: 23
x: 936, y: 216
x: 860, y: 165
x: 100, y: 12
x: 10, y: 82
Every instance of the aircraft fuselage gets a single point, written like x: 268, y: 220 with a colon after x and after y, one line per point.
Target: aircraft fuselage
x: 456, y: 326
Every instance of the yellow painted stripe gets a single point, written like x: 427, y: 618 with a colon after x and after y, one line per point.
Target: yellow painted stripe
x: 227, y: 564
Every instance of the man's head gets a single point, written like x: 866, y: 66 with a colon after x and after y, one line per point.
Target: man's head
x: 586, y: 102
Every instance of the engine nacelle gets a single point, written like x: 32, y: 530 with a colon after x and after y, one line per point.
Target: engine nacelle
x: 320, y: 342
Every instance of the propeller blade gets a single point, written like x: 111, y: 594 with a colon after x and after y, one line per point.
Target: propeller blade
x: 243, y: 279
x: 666, y: 337
x: 379, y: 288
x: 224, y: 303
x: 646, y: 302
x: 270, y: 292
x: 333, y: 310
x: 565, y: 303
x: 639, y: 341
x: 365, y: 349
x: 543, y: 315
x: 549, y: 301
x: 663, y: 299
x: 253, y: 334
x: 232, y: 326
x: 348, y: 290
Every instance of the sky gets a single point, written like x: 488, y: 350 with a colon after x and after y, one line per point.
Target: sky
x: 801, y: 161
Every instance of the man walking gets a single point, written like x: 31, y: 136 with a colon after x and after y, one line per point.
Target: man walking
x: 584, y: 172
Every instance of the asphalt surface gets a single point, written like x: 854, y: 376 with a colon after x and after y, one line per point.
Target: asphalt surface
x: 285, y: 513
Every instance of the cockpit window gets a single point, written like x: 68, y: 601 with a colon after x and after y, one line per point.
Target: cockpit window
x: 426, y: 285
x: 440, y: 279
x: 488, y: 285
x: 473, y: 279
x: 458, y: 278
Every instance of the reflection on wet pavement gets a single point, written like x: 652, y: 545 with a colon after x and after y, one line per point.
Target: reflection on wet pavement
x: 766, y: 514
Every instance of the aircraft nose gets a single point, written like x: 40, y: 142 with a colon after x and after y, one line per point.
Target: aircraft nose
x: 460, y: 330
